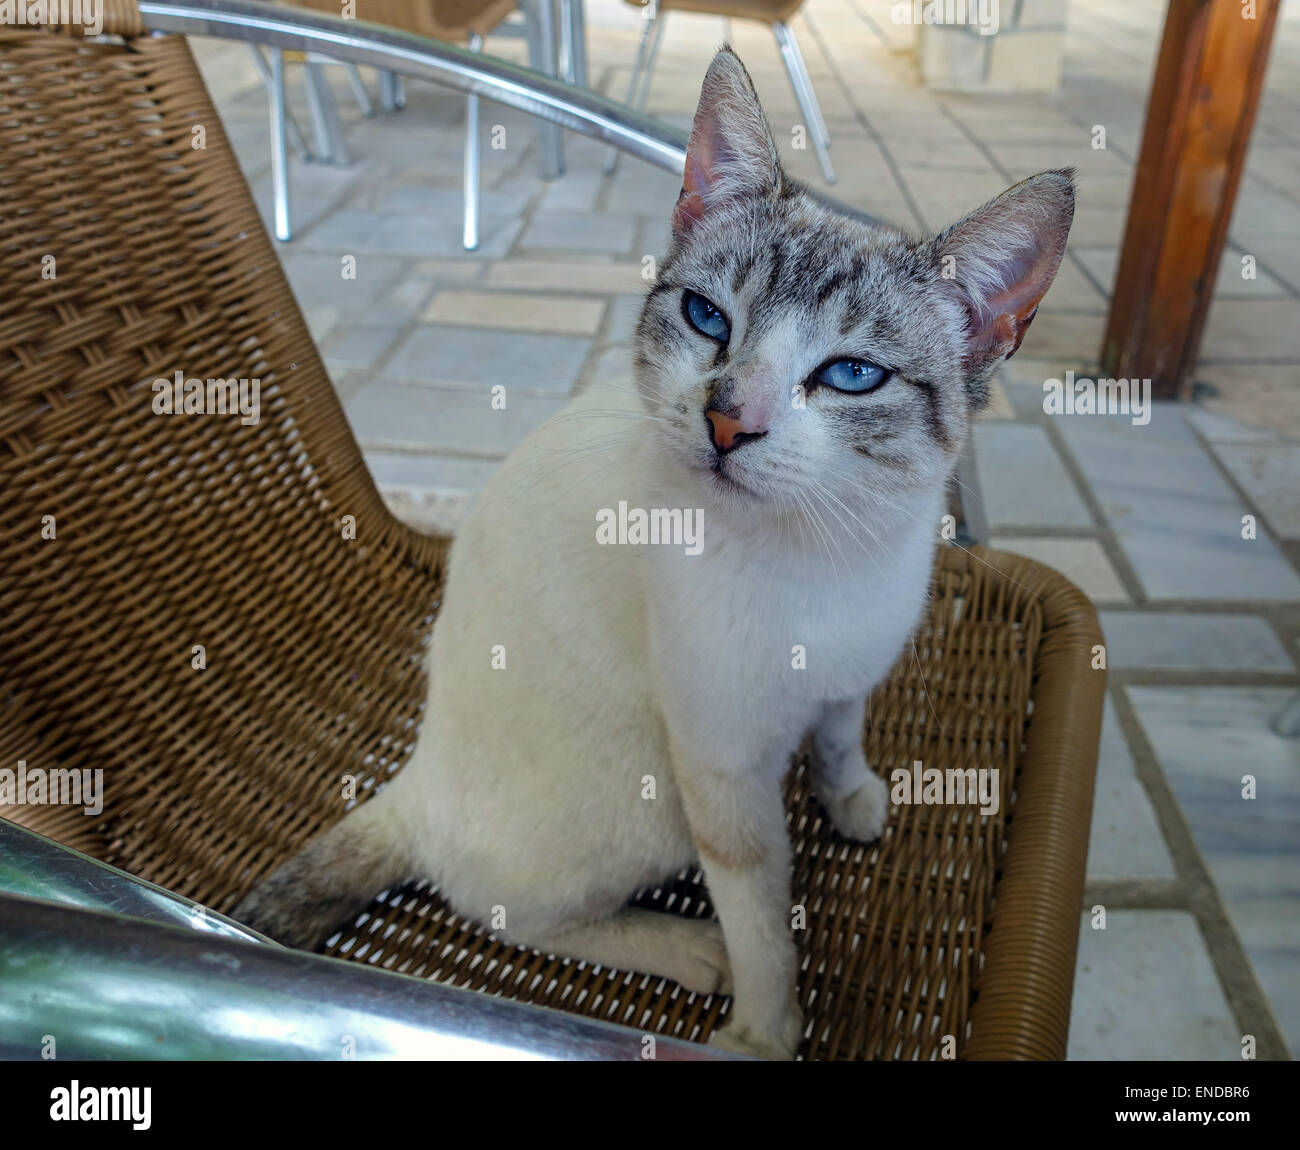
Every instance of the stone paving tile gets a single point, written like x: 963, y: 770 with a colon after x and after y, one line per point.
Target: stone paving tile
x: 580, y: 232
x: 1083, y: 561
x: 517, y: 311
x: 452, y: 419
x: 638, y: 188
x: 322, y: 320
x: 1218, y: 428
x: 1145, y: 990
x: 1267, y: 473
x: 1103, y: 263
x: 957, y: 154
x: 1073, y: 290
x: 576, y: 192
x: 572, y: 275
x: 531, y: 360
x: 364, y: 346
x: 1263, y: 330
x: 1170, y: 641
x: 1207, y: 739
x: 1263, y: 395
x: 1005, y: 453
x: 1125, y: 840
x: 624, y: 313
x: 1097, y: 226
x: 409, y: 297
x: 1069, y: 336
x: 943, y: 200
x: 355, y: 231
x: 1109, y: 191
x: 449, y: 203
x: 614, y: 364
x: 1178, y: 521
x: 308, y: 209
x: 318, y: 278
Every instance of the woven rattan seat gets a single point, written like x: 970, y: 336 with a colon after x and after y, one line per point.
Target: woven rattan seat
x: 176, y: 532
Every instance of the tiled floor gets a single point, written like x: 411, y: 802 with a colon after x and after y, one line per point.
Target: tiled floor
x: 1201, y: 886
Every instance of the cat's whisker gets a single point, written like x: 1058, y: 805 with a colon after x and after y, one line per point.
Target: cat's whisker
x: 829, y: 494
x: 952, y: 542
x: 924, y: 685
x: 823, y: 532
x: 607, y: 413
x: 654, y: 391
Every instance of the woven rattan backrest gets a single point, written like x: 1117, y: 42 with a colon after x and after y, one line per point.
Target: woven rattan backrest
x: 130, y: 537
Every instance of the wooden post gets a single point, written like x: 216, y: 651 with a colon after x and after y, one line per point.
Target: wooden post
x: 1209, y: 75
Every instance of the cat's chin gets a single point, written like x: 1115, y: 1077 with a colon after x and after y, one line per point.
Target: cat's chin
x: 725, y: 482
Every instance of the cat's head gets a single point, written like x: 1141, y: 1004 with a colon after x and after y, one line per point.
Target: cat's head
x: 786, y: 345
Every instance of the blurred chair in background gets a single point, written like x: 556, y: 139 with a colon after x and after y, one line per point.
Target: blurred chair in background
x: 777, y: 13
x: 454, y: 21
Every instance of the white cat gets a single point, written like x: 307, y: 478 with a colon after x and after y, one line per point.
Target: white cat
x: 603, y: 715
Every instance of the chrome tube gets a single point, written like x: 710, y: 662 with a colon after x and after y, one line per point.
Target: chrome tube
x: 330, y: 144
x: 539, y: 23
x: 104, y: 987
x: 801, y: 82
x: 359, y: 92
x: 469, y: 235
x: 33, y: 866
x: 279, y: 152
x: 354, y: 41
x: 573, y: 31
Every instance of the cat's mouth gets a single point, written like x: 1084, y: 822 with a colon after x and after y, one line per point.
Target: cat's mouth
x: 724, y: 478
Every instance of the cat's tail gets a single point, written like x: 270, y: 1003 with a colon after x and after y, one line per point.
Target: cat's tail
x: 335, y: 874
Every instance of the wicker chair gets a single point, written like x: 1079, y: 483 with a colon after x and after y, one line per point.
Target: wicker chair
x: 186, y: 606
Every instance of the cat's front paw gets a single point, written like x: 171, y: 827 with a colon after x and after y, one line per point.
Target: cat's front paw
x: 777, y: 1040
x: 862, y: 814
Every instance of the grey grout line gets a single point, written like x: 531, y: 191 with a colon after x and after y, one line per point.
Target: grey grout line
x: 1138, y: 894
x: 1246, y: 997
x: 1105, y: 532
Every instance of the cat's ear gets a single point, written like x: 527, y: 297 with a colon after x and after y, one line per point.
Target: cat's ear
x: 731, y: 153
x: 1001, y: 260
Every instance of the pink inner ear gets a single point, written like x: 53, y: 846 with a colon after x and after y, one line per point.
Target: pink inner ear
x: 1007, y: 315
x: 688, y: 211
x: 700, y: 172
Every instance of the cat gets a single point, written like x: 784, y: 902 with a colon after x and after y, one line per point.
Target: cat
x: 602, y: 717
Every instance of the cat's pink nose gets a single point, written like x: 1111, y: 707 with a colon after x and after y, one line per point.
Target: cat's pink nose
x: 730, y: 432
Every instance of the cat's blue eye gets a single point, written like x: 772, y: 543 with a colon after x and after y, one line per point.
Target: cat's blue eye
x: 852, y: 375
x: 705, y: 318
